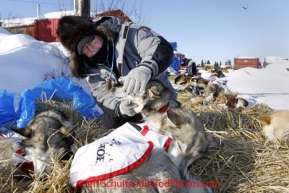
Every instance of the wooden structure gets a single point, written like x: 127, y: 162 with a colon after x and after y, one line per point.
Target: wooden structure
x: 246, y: 62
x: 117, y: 13
x: 45, y: 29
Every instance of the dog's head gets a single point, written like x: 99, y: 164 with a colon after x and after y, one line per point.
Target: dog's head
x: 245, y: 101
x: 202, y: 82
x: 212, y: 89
x: 211, y: 92
x: 228, y: 100
x: 190, y: 142
x: 156, y: 97
x: 218, y: 73
x: 188, y: 134
x: 183, y: 79
x: 241, y: 103
x: 183, y: 82
x: 47, y: 134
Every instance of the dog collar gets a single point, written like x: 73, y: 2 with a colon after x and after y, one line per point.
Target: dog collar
x: 164, y: 108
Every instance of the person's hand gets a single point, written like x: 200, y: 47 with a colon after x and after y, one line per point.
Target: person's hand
x: 136, y: 80
x: 127, y: 108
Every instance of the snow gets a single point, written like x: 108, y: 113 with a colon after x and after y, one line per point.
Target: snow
x: 3, y: 33
x: 31, y: 20
x: 25, y: 62
x: 267, y: 85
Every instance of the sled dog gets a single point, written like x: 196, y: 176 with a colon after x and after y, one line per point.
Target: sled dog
x: 168, y: 161
x: 276, y: 126
x: 47, y: 134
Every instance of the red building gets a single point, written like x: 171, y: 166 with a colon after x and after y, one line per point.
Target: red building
x: 246, y: 62
x: 45, y: 29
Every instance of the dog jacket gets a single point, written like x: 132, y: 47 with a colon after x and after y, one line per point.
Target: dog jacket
x: 7, y: 133
x: 251, y: 101
x: 23, y: 162
x: 119, y: 152
x: 217, y: 80
x: 221, y: 83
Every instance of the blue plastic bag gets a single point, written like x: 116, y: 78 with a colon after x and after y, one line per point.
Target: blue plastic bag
x: 61, y: 88
x: 175, y: 63
x: 26, y: 108
x: 7, y: 111
x: 174, y: 45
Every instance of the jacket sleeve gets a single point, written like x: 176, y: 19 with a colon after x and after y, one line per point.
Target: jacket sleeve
x: 155, y: 51
x: 104, y: 99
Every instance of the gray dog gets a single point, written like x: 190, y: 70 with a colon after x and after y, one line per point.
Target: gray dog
x: 165, y: 169
x: 47, y: 134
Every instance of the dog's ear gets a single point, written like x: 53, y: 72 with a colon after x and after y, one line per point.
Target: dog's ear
x: 213, y: 142
x: 175, y: 118
x: 68, y: 130
x: 230, y: 101
x: 153, y: 93
x: 23, y: 132
x: 264, y: 119
x: 245, y: 103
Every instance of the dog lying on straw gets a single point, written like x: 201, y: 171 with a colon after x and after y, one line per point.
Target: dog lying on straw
x: 276, y: 126
x: 144, y: 157
x: 47, y: 134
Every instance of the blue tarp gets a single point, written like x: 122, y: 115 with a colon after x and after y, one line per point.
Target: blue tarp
x: 7, y: 111
x: 61, y: 88
x: 174, y: 45
x: 175, y: 63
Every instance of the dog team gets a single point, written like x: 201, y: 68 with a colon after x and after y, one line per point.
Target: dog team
x: 212, y: 90
x: 275, y: 126
x: 148, y: 155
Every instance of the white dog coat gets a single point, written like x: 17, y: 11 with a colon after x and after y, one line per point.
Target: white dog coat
x: 119, y: 152
x: 251, y: 101
x: 221, y: 83
x: 25, y: 163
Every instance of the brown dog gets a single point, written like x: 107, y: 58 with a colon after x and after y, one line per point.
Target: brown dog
x: 276, y: 126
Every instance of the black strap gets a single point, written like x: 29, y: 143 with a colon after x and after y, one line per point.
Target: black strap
x: 137, y: 127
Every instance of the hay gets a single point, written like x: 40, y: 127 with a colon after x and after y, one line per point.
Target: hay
x: 246, y: 162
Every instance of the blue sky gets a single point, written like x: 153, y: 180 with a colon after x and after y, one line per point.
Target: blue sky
x: 214, y: 30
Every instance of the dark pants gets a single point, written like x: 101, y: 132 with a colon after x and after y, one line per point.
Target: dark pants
x: 109, y: 123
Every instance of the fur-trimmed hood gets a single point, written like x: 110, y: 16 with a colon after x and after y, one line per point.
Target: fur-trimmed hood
x: 72, y: 29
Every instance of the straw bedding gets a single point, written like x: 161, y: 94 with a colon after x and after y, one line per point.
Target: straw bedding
x: 245, y: 162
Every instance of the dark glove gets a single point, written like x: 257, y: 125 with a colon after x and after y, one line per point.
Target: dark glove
x: 136, y: 80
x: 127, y: 108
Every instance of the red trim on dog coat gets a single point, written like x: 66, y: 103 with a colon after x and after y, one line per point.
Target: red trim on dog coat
x: 119, y: 152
